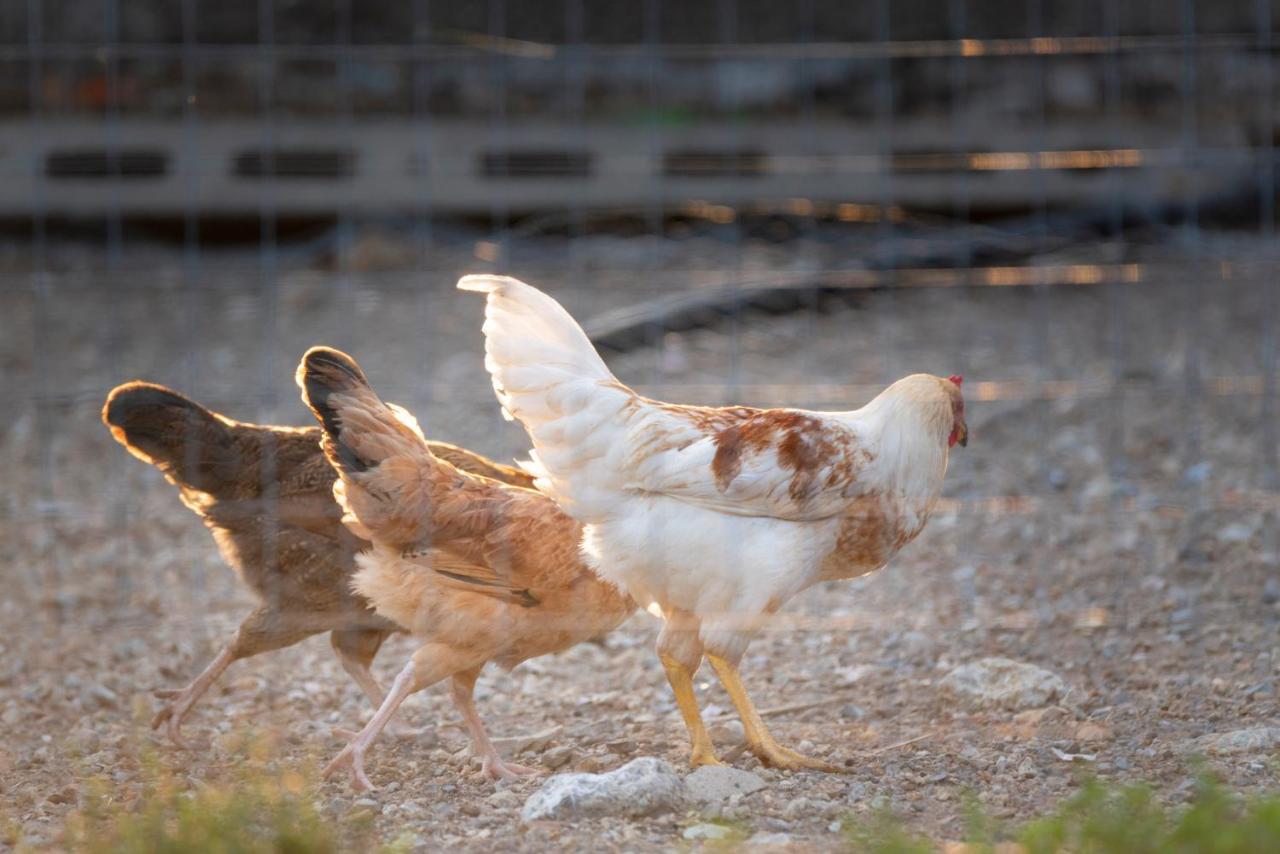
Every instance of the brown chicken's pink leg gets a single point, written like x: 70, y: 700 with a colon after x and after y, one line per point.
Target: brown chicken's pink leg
x: 492, y: 765
x: 355, y: 650
x: 181, y: 701
x: 263, y: 630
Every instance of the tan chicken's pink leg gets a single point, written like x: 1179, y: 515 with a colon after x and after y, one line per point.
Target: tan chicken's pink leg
x: 493, y: 765
x: 181, y: 701
x: 352, y: 756
x: 429, y: 665
x: 759, y: 740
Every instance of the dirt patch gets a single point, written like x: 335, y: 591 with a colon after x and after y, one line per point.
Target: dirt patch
x: 1111, y: 521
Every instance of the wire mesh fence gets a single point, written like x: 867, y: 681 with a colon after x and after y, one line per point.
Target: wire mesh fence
x: 764, y: 204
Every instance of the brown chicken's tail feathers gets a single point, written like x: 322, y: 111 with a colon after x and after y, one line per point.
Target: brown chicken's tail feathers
x: 192, y: 445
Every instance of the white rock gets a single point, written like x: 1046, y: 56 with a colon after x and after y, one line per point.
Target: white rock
x: 797, y: 809
x: 769, y: 841
x: 728, y: 732
x: 1252, y: 740
x: 503, y: 799
x: 103, y: 696
x: 644, y: 786
x: 1001, y: 683
x: 1236, y: 532
x: 713, y: 784
x: 706, y: 830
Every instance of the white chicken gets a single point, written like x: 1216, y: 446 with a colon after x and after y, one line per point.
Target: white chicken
x: 714, y: 517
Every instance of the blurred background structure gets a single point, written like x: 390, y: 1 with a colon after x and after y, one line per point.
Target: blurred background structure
x: 258, y: 175
x: 1072, y: 203
x: 193, y: 192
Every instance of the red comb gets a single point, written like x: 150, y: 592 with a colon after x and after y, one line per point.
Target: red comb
x: 956, y: 378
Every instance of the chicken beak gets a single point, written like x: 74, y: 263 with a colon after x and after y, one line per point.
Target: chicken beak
x: 963, y: 438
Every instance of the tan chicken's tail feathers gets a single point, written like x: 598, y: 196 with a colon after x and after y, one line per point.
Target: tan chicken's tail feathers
x: 328, y: 377
x: 382, y: 459
x: 192, y: 445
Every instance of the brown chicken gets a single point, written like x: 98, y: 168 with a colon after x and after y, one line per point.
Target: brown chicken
x: 266, y: 494
x: 477, y: 570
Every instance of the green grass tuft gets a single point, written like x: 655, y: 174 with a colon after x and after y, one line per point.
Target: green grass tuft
x: 258, y: 808
x: 1129, y: 818
x: 1102, y: 819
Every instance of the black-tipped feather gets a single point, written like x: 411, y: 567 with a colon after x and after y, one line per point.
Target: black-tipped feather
x: 186, y: 441
x: 326, y: 372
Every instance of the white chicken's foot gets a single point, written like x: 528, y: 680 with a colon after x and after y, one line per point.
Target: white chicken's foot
x: 759, y: 740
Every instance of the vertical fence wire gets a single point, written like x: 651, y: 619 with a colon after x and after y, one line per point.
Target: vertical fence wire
x: 425, y: 161
x: 49, y: 570
x: 884, y: 122
x: 268, y: 279
x: 498, y: 122
x: 1194, y: 286
x: 1117, y: 290
x: 119, y: 512
x: 1269, y: 435
x: 344, y: 231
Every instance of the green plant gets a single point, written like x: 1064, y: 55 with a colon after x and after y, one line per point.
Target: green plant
x: 882, y: 833
x: 1129, y: 818
x: 257, y: 809
x: 1102, y: 819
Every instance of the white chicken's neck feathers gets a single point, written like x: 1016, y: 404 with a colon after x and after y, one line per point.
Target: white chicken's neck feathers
x: 905, y: 428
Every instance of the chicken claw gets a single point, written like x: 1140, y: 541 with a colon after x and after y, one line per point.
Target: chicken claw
x: 181, y: 701
x: 352, y: 757
x: 703, y: 755
x: 173, y: 713
x: 759, y: 740
x: 496, y: 768
x: 775, y: 755
x: 492, y: 765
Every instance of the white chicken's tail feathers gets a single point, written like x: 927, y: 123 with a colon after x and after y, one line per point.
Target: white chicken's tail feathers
x: 549, y: 377
x: 522, y: 321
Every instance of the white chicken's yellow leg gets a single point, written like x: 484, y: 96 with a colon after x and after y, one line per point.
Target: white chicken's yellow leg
x: 681, y: 679
x: 759, y: 740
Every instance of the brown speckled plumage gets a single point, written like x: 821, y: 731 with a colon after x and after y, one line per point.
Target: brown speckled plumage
x: 266, y: 494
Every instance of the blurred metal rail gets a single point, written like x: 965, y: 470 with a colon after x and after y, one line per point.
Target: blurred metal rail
x: 133, y: 167
x: 480, y: 46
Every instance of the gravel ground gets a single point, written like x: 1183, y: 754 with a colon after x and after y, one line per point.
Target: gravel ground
x: 1120, y: 535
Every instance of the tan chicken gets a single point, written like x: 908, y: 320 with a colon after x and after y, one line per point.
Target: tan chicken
x: 715, y: 517
x: 266, y: 494
x: 478, y: 570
